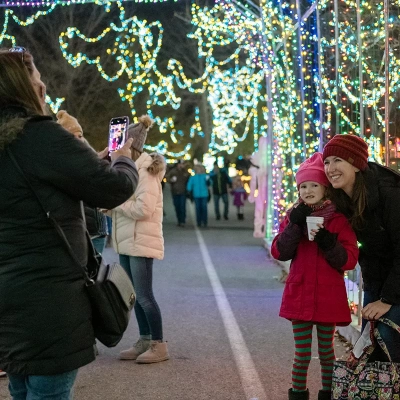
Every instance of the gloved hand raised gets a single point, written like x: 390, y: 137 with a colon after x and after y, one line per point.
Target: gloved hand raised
x: 325, y: 240
x: 298, y: 215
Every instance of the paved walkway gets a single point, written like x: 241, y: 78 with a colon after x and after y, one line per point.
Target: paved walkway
x: 219, y: 298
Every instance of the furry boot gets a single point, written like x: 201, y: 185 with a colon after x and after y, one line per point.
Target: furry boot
x: 134, y: 352
x: 324, y: 395
x: 303, y: 395
x: 157, y: 352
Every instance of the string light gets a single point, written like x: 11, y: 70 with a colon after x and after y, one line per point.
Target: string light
x: 233, y: 86
x: 256, y: 47
x: 46, y: 3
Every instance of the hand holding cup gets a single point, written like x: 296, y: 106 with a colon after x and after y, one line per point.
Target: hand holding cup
x: 314, y: 224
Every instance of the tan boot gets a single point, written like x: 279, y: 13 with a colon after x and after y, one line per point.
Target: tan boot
x: 134, y: 352
x: 157, y: 352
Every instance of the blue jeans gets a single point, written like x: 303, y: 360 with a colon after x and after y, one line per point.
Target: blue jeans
x: 99, y: 243
x: 389, y: 335
x: 224, y: 198
x: 42, y: 387
x: 109, y: 224
x: 201, y: 210
x: 147, y: 311
x: 180, y: 207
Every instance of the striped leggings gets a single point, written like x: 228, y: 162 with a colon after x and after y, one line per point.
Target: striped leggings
x: 302, y: 342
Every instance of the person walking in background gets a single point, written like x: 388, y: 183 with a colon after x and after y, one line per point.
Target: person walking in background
x: 197, y: 186
x: 46, y: 331
x: 239, y: 196
x: 177, y: 178
x: 220, y: 182
x: 315, y: 292
x: 96, y: 221
x: 369, y: 195
x: 138, y: 239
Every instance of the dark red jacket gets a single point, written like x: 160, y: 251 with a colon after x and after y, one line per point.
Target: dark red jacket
x: 315, y: 289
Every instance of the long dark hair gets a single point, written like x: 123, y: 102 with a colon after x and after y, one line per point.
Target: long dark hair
x: 16, y: 88
x: 352, y: 207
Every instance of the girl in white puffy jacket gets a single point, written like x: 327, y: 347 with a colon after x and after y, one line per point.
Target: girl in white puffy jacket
x: 138, y: 239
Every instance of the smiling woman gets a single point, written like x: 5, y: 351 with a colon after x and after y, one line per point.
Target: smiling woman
x: 369, y: 195
x: 341, y: 174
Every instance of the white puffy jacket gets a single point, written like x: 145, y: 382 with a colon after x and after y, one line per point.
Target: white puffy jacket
x: 137, y: 224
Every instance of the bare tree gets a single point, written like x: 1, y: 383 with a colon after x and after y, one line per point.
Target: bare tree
x: 89, y: 97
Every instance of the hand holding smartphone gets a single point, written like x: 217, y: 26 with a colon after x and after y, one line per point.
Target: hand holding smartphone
x: 124, y: 151
x: 118, y: 133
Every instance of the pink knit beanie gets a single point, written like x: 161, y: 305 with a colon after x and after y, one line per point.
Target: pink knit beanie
x: 312, y: 170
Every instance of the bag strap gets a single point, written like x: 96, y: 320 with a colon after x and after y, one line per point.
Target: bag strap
x: 57, y: 227
x: 364, y: 358
x: 378, y: 336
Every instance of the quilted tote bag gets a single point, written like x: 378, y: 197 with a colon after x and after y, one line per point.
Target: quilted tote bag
x: 375, y: 380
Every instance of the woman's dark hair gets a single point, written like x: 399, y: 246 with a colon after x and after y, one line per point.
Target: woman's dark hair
x: 16, y: 88
x: 353, y: 208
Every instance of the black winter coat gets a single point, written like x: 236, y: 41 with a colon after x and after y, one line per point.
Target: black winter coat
x: 220, y: 182
x: 45, y: 315
x: 380, y: 236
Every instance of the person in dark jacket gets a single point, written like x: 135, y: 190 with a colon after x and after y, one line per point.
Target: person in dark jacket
x: 96, y: 221
x: 220, y: 181
x: 46, y: 332
x: 177, y: 177
x: 369, y: 195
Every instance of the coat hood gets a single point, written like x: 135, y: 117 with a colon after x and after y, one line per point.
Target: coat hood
x: 154, y: 163
x: 12, y: 122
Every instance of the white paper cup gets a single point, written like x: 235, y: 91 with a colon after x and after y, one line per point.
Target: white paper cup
x: 312, y: 224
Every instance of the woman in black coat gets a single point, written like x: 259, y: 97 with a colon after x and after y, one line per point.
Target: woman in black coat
x: 45, y: 330
x: 369, y: 194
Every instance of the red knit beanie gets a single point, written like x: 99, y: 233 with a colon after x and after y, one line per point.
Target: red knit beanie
x: 351, y: 148
x: 312, y: 170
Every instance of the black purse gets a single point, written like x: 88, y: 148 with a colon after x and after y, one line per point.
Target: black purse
x: 109, y: 288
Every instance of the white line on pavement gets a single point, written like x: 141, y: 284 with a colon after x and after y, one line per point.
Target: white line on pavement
x: 248, y: 374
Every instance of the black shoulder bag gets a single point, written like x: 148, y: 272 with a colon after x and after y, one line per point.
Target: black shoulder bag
x: 109, y: 288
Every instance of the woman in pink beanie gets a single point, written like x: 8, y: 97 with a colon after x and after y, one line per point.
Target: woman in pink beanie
x: 315, y: 293
x: 369, y: 195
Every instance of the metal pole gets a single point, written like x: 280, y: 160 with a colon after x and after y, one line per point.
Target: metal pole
x: 321, y: 107
x: 301, y: 64
x: 337, y: 60
x: 270, y: 133
x: 303, y: 18
x: 360, y: 68
x: 387, y: 82
x: 270, y: 142
x: 360, y: 298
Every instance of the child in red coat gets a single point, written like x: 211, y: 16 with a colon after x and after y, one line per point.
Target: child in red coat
x: 315, y: 293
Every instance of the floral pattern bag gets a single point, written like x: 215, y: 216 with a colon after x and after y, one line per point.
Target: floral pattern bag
x: 375, y: 381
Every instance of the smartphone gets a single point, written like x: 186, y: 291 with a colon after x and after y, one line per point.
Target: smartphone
x: 118, y: 133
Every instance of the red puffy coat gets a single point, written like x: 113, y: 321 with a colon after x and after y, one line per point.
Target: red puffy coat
x: 315, y: 289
